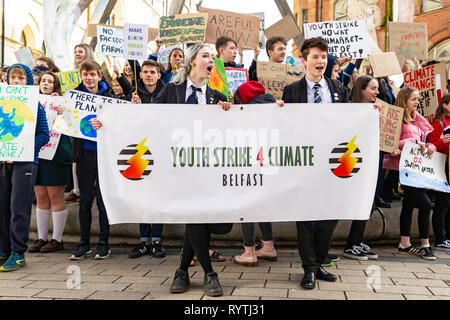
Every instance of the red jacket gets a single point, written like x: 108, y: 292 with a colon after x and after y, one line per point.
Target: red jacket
x: 435, y: 137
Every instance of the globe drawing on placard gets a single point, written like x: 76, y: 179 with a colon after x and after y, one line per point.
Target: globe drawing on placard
x: 86, y: 127
x: 13, y: 115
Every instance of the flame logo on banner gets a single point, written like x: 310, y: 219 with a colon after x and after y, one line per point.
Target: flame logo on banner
x: 137, y: 164
x: 347, y: 161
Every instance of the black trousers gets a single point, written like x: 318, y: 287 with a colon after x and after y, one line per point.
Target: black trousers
x: 196, y: 243
x: 415, y: 198
x: 441, y: 217
x: 356, y: 235
x: 314, y: 238
x: 87, y: 173
x: 16, y: 199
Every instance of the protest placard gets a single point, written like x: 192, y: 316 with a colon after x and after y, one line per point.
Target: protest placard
x: 391, y: 118
x: 286, y: 28
x: 18, y: 113
x: 80, y: 107
x: 422, y: 170
x: 163, y: 55
x: 405, y: 11
x: 50, y: 105
x: 218, y: 78
x: 242, y: 28
x: 69, y: 80
x: 431, y: 83
x: 135, y: 41
x: 92, y: 30
x: 293, y: 61
x: 408, y: 40
x: 345, y: 38
x: 236, y: 77
x: 25, y: 56
x: 275, y: 76
x: 262, y: 37
x: 384, y: 64
x: 110, y: 41
x: 183, y: 28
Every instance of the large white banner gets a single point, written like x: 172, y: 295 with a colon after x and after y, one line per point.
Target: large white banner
x: 200, y: 164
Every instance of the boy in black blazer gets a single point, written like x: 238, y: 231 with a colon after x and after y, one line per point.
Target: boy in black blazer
x: 314, y: 237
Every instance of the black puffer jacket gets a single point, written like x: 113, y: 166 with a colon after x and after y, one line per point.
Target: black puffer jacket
x: 262, y: 98
x: 146, y: 97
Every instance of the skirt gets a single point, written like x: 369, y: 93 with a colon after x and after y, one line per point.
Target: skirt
x: 52, y: 174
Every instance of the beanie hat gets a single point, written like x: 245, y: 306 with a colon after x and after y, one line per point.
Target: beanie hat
x: 250, y: 90
x: 29, y: 74
x: 38, y: 70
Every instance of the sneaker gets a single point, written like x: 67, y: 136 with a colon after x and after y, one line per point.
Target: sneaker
x: 142, y: 249
x: 410, y: 250
x: 355, y: 253
x: 37, y: 245
x: 102, y: 251
x: 427, y: 253
x: 158, y: 250
x: 444, y: 246
x: 83, y: 250
x: 14, y: 262
x: 364, y: 248
x: 3, y: 258
x: 329, y: 261
x: 72, y: 197
x: 52, y: 246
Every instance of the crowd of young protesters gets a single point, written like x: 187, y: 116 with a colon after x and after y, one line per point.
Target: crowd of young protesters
x: 184, y: 82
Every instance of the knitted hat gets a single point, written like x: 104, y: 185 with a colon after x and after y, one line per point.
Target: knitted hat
x: 30, y: 79
x: 38, y: 70
x: 250, y: 90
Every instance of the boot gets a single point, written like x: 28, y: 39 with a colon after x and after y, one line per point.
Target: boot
x: 267, y: 251
x: 248, y: 258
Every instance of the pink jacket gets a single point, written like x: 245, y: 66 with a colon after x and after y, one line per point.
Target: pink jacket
x: 417, y: 130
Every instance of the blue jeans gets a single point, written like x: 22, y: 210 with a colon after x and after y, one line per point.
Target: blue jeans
x: 149, y: 231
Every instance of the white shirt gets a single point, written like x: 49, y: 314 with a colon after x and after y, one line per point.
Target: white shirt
x: 201, y: 95
x: 324, y: 91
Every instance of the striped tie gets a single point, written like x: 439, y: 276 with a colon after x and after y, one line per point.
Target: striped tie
x: 317, y: 98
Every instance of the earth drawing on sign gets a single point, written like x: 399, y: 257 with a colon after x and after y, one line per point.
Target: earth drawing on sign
x: 13, y: 115
x: 86, y: 127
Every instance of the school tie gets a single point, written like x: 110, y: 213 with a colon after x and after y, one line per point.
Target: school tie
x: 317, y: 98
x: 193, y: 99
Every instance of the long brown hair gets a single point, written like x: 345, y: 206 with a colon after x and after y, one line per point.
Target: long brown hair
x: 169, y: 65
x: 441, y: 112
x: 56, y: 82
x: 89, y: 54
x: 51, y: 64
x: 402, y: 99
x: 358, y: 87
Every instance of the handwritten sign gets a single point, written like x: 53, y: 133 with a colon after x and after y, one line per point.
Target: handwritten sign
x: 18, y: 113
x: 110, y: 41
x: 275, y: 76
x: 345, y: 38
x: 293, y: 61
x: 50, y: 105
x: 92, y: 30
x: 69, y: 80
x: 236, y: 77
x: 163, y: 55
x: 421, y: 170
x: 408, y: 40
x: 430, y: 81
x: 183, y: 28
x: 286, y: 28
x: 391, y: 118
x: 25, y: 56
x: 384, y: 64
x: 242, y: 28
x: 135, y: 41
x: 80, y: 107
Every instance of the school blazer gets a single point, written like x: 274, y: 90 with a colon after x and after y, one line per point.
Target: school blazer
x: 176, y: 94
x: 297, y: 92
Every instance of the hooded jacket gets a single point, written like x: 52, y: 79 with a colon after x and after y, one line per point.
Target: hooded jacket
x: 146, y: 97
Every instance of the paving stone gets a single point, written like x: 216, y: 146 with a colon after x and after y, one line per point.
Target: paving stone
x: 14, y: 283
x: 402, y: 289
x: 46, y: 277
x: 265, y: 276
x: 205, y: 297
x: 141, y: 280
x: 261, y: 292
x: 282, y: 284
x: 416, y: 268
x: 12, y: 275
x: 109, y: 295
x: 419, y: 282
x: 440, y: 276
x: 357, y: 279
x: 242, y: 283
x: 373, y: 296
x: 283, y: 270
x: 346, y: 272
x: 236, y: 268
x: 336, y: 286
x: 397, y: 274
x: 19, y: 292
x: 351, y: 267
x: 120, y: 272
x: 103, y: 286
x: 48, y: 285
x: 316, y: 294
x: 423, y: 297
x: 178, y: 296
x: 440, y: 291
x: 90, y: 278
x: 65, y: 294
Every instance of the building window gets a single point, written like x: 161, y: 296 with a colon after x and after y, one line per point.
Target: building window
x: 428, y: 5
x: 305, y: 16
x: 441, y: 52
x: 340, y: 10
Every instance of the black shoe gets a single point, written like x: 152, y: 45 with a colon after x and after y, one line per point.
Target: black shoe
x: 83, y: 250
x: 102, y: 251
x: 380, y: 203
x: 158, y: 250
x: 326, y: 276
x: 141, y: 250
x: 181, y: 282
x: 396, y: 196
x: 211, y: 285
x: 308, y: 281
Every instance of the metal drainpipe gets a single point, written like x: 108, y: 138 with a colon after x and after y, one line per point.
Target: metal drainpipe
x: 388, y: 17
x: 3, y: 32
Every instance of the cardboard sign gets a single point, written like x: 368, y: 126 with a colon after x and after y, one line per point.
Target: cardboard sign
x: 345, y: 38
x: 69, y: 80
x: 80, y: 107
x: 50, y: 105
x: 262, y: 37
x: 163, y: 55
x: 236, y: 77
x: 286, y: 28
x: 431, y: 83
x: 384, y: 64
x: 293, y: 61
x: 275, y: 76
x: 391, y: 118
x: 110, y: 41
x: 405, y: 10
x: 408, y: 40
x: 183, y: 28
x: 421, y: 170
x: 242, y: 28
x: 135, y: 41
x: 18, y: 114
x: 92, y: 30
x: 25, y: 56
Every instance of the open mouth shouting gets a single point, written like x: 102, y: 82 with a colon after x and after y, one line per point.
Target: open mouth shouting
x: 210, y: 68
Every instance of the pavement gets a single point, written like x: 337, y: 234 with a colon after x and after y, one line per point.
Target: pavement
x: 391, y: 277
